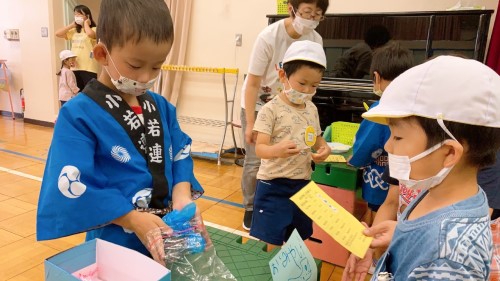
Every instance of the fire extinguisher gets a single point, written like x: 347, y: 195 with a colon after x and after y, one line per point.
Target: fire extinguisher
x: 21, y: 93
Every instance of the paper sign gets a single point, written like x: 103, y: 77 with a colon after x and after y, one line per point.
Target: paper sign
x: 333, y: 219
x: 335, y: 158
x: 294, y: 261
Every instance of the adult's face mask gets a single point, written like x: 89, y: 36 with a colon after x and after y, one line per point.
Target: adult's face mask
x: 79, y: 20
x: 303, y: 26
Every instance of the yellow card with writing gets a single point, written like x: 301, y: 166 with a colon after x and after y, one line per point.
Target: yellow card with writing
x: 335, y: 158
x: 332, y: 218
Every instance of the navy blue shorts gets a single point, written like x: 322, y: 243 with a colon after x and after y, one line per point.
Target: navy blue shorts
x: 275, y: 216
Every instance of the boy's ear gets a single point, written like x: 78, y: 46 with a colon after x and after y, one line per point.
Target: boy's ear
x: 282, y: 75
x: 100, y: 54
x: 454, y: 153
x: 376, y: 79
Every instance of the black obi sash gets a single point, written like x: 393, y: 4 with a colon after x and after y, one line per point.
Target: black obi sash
x: 148, y: 140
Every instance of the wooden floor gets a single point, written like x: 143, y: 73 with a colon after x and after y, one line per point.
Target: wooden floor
x: 23, y: 150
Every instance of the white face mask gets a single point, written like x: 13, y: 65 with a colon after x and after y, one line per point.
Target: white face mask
x: 127, y: 85
x: 400, y: 167
x: 295, y: 96
x: 79, y: 20
x: 303, y: 26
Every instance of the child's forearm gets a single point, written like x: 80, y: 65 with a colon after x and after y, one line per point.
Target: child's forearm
x: 388, y: 210
x: 265, y: 151
x: 181, y: 195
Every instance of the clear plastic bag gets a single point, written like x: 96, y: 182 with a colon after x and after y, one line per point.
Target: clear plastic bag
x: 189, y: 252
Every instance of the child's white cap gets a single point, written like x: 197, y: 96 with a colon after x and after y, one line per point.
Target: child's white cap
x: 305, y: 50
x: 66, y: 54
x: 448, y: 88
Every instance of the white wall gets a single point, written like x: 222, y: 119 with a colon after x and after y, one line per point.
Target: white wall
x: 38, y: 60
x: 11, y: 51
x: 31, y: 60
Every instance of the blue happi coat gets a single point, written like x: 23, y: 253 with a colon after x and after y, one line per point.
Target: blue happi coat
x: 94, y: 173
x: 368, y: 152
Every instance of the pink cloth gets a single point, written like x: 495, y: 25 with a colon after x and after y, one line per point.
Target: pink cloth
x: 67, y: 85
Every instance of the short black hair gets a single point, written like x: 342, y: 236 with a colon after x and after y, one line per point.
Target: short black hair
x: 292, y: 66
x: 84, y: 10
x: 124, y: 21
x: 322, y: 4
x: 376, y: 36
x: 391, y: 60
x: 482, y: 142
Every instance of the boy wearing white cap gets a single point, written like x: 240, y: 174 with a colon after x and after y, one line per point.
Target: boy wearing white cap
x: 445, y: 125
x: 289, y: 137
x: 262, y: 82
x: 67, y: 79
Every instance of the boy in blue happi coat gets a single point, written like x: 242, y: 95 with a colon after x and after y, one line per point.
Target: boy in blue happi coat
x: 118, y: 158
x: 368, y: 150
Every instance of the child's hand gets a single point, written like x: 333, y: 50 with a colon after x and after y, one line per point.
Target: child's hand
x: 87, y: 21
x: 286, y: 148
x: 149, y: 229
x: 201, y: 226
x: 321, y: 154
x: 382, y: 233
x: 357, y: 268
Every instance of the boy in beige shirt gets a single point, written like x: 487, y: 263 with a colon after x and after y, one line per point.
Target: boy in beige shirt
x: 288, y: 133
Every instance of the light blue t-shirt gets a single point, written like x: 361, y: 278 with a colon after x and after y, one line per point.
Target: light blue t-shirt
x: 453, y: 243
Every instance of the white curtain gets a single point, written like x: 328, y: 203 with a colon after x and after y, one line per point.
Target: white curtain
x: 170, y: 82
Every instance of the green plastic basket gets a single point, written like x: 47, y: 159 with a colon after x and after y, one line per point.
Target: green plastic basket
x: 344, y: 132
x: 282, y: 7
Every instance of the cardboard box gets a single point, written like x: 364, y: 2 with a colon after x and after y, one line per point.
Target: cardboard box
x: 101, y: 260
x: 321, y: 244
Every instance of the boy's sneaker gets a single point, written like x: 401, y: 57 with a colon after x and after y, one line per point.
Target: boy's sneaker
x: 247, y: 220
